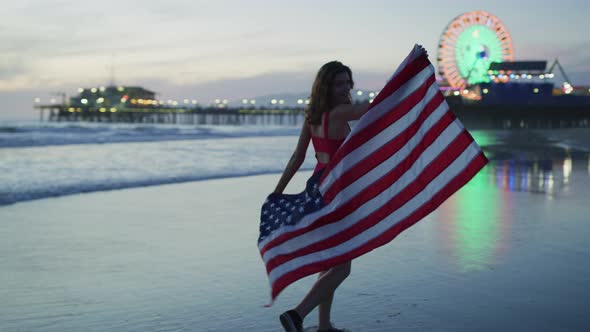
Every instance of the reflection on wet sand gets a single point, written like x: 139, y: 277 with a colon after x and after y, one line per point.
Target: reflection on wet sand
x: 479, y: 217
x: 474, y: 228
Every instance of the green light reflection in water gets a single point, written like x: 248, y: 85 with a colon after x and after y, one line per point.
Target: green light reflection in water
x: 476, y: 223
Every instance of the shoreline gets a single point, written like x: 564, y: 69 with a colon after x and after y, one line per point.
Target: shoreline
x: 139, y: 185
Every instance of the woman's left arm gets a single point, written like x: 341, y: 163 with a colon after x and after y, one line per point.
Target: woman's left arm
x: 296, y: 160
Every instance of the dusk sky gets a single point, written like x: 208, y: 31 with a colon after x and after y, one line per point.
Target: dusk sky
x: 235, y: 49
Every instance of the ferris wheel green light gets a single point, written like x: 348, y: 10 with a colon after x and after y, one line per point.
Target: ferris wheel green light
x: 469, y: 44
x: 477, y: 47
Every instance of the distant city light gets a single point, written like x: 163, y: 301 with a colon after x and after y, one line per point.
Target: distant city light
x: 567, y: 168
x: 281, y: 102
x: 102, y: 88
x: 274, y: 101
x: 194, y: 101
x: 300, y: 101
x: 120, y: 89
x: 113, y: 110
x: 37, y: 100
x: 99, y: 100
x: 485, y: 91
x: 541, y: 76
x: 456, y: 93
x: 186, y: 101
x: 244, y: 101
x: 225, y: 101
x: 536, y: 90
x: 93, y: 90
x: 53, y: 100
x: 80, y: 90
x: 371, y: 100
x: 175, y: 103
x: 102, y: 109
x: 306, y: 101
x: 252, y: 101
x: 465, y: 91
x: 359, y: 93
x: 371, y: 94
x: 71, y: 110
x: 84, y: 101
x: 217, y: 101
x: 530, y: 76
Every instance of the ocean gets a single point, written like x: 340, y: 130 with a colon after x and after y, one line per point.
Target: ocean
x: 43, y: 159
x: 50, y: 159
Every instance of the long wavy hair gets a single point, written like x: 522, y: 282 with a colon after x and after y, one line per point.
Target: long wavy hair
x: 320, y: 100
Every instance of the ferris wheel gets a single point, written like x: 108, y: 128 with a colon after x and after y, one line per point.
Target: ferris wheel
x: 469, y: 44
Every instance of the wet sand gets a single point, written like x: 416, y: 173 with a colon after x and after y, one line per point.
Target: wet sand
x: 508, y: 252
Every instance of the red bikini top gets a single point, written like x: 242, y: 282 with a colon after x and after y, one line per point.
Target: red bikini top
x: 325, y: 144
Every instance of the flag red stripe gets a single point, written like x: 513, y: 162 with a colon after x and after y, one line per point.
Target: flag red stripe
x: 443, y: 160
x: 383, y: 153
x: 358, y: 139
x: 411, y: 70
x: 389, y: 149
x: 377, y: 126
x: 455, y: 184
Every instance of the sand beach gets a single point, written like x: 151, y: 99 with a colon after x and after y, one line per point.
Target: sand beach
x: 183, y: 257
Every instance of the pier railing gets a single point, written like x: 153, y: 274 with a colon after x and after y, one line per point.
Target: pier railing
x: 197, y: 116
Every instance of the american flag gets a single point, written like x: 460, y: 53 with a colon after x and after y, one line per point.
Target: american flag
x: 403, y: 158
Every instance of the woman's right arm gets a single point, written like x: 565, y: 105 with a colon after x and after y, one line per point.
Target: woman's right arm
x: 350, y: 112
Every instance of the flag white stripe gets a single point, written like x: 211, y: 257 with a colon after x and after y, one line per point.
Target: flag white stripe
x: 415, y: 53
x: 457, y: 166
x: 374, y: 114
x: 394, y: 99
x: 361, y: 183
x: 377, y: 141
x: 322, y: 233
x: 386, y: 166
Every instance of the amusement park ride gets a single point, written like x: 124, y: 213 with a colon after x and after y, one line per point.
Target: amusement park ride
x: 476, y: 57
x: 482, y: 82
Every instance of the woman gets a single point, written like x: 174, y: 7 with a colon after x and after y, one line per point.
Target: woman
x: 326, y: 126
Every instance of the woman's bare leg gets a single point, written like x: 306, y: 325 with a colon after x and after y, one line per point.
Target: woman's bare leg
x: 324, y: 309
x: 323, y: 291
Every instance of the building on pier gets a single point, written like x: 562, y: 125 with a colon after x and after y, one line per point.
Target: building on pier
x: 113, y: 98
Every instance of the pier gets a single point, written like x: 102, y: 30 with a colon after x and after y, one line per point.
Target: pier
x: 189, y: 116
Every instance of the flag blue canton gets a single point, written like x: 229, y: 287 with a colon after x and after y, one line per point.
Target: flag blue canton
x: 280, y: 210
